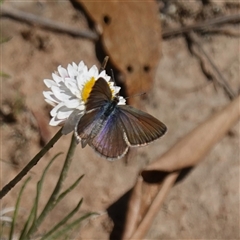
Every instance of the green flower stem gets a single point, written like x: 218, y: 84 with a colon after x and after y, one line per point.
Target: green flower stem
x: 30, y: 165
x: 53, y: 200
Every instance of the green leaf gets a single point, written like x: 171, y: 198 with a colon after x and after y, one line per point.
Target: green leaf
x: 63, y: 221
x: 68, y: 227
x: 62, y: 195
x: 52, y: 200
x: 6, y: 39
x: 4, y: 75
x: 16, y: 209
x: 25, y: 234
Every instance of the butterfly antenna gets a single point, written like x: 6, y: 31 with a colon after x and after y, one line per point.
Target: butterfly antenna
x: 135, y: 95
x: 113, y: 78
x: 104, y: 64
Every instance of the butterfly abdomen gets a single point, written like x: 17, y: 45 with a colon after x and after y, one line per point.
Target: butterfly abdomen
x: 111, y: 107
x: 107, y: 111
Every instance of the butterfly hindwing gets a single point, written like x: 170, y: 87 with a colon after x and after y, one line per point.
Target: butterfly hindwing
x: 71, y: 121
x: 84, y: 130
x: 140, y: 127
x: 110, y: 142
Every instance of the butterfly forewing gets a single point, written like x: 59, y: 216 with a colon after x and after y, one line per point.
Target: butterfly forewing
x: 85, y: 126
x: 140, y: 127
x: 99, y: 95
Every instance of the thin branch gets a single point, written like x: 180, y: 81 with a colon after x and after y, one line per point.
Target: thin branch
x: 220, y: 79
x: 32, y: 19
x: 30, y: 165
x: 201, y: 26
x: 226, y: 30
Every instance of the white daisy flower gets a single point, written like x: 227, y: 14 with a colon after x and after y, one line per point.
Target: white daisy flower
x: 70, y: 89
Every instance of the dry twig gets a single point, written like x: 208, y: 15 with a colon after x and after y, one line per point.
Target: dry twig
x: 46, y: 23
x: 144, y: 226
x: 226, y: 30
x: 201, y: 26
x: 214, y: 72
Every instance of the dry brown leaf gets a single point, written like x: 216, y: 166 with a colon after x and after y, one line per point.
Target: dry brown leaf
x: 133, y: 209
x: 131, y: 36
x: 187, y: 152
x: 194, y: 146
x: 153, y: 207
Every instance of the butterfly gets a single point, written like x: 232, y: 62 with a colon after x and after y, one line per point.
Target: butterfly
x: 111, y: 129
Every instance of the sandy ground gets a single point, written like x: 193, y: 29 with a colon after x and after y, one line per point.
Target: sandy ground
x: 205, y: 205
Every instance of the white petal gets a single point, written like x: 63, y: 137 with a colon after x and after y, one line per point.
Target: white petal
x: 80, y: 82
x: 104, y: 76
x: 50, y: 96
x: 116, y: 89
x: 122, y: 101
x: 81, y: 106
x: 64, y: 114
x: 56, y: 109
x: 102, y: 73
x: 55, y: 122
x: 49, y: 83
x: 61, y: 112
x: 73, y: 103
x: 81, y: 66
x: 93, y: 71
x: 75, y: 66
x: 111, y: 84
x: 63, y: 72
x: 56, y: 78
x: 71, y: 71
x: 61, y: 95
x: 50, y: 102
x: 71, y: 84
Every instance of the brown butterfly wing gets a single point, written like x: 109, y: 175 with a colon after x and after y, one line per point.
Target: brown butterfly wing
x: 110, y: 141
x: 99, y: 95
x: 140, y: 127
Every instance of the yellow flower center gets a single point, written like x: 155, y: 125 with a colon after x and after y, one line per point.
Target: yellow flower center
x: 87, y: 89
